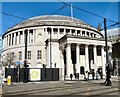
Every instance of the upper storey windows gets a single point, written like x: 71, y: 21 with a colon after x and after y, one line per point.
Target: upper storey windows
x: 55, y: 30
x: 18, y: 37
x: 63, y: 31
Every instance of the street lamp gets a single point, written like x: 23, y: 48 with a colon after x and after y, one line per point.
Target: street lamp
x: 25, y: 61
x: 107, y: 82
x: 49, y: 30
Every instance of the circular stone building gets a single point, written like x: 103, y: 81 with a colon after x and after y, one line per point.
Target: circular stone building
x: 58, y: 42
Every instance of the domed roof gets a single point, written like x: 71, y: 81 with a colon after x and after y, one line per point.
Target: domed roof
x: 52, y: 20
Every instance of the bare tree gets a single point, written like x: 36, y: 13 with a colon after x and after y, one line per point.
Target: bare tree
x: 8, y: 60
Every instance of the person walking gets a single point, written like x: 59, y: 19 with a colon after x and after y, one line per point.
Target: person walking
x: 96, y: 75
x: 93, y: 74
x: 101, y: 74
x: 71, y: 76
x: 86, y: 76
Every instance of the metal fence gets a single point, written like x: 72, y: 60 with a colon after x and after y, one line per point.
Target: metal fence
x: 33, y: 74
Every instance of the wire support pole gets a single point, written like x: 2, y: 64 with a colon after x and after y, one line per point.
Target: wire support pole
x: 107, y: 82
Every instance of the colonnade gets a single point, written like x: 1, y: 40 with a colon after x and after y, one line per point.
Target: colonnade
x: 18, y: 37
x: 69, y: 65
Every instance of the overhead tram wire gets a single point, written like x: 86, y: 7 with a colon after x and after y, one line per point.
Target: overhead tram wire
x: 11, y: 19
x: 87, y: 11
x: 112, y: 25
x: 30, y: 20
x: 65, y: 4
x: 56, y: 11
x: 13, y: 15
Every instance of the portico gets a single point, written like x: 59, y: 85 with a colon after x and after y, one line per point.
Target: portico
x: 82, y: 54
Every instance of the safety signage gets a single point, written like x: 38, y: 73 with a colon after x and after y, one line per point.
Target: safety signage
x: 35, y: 74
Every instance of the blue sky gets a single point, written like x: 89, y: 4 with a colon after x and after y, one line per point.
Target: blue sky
x: 30, y: 9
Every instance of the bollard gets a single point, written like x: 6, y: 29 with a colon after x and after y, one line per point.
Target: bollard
x: 9, y: 80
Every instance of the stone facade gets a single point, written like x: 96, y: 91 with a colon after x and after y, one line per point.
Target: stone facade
x: 71, y: 45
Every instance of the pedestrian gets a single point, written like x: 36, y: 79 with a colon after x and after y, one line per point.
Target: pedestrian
x: 101, y: 74
x: 93, y: 74
x: 75, y: 75
x: 96, y: 75
x: 86, y: 76
x: 71, y: 76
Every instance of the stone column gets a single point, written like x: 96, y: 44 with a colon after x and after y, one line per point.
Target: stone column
x: 52, y: 33
x: 75, y: 32
x: 9, y: 40
x: 18, y: 38
x: 28, y: 38
x: 85, y: 33
x: 70, y: 32
x: 62, y: 66
x: 86, y: 58
x: 68, y: 61
x: 14, y: 39
x: 102, y: 59
x: 95, y: 58
x: 58, y: 33
x: 4, y: 42
x: 23, y: 37
x: 77, y: 59
x: 34, y: 35
x: 64, y: 32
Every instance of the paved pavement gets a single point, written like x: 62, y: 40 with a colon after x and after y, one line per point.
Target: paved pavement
x: 59, y: 88
x: 0, y: 91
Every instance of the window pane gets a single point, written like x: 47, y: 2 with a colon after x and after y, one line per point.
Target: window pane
x: 39, y: 54
x: 29, y: 54
x: 20, y: 55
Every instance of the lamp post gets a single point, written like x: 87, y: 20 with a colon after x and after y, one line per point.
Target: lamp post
x: 107, y: 82
x: 25, y: 61
x: 49, y: 30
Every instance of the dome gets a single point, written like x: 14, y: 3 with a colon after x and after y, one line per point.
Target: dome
x: 52, y: 20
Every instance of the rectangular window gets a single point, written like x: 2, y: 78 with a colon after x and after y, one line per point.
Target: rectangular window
x: 20, y: 55
x: 9, y: 39
x: 67, y: 31
x: 29, y: 54
x: 78, y: 32
x: 39, y: 54
x: 55, y: 30
x: 31, y: 31
x: 61, y: 31
x: 31, y: 36
x: 12, y: 38
x: 16, y: 38
x: 83, y: 33
x: 73, y: 32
